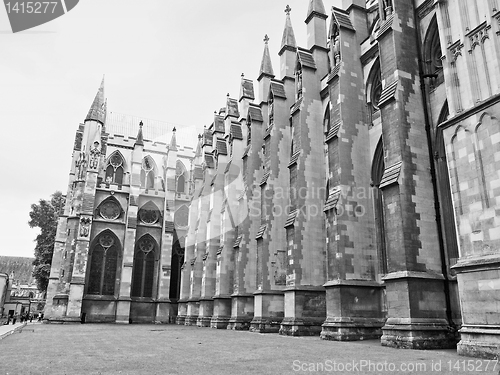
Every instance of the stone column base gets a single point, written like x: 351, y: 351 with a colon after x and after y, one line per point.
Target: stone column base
x: 221, y: 312
x: 181, y: 312
x: 351, y: 329
x: 479, y: 341
x: 354, y: 310
x: 123, y: 311
x: 266, y: 324
x: 305, y: 311
x: 301, y: 326
x: 241, y: 312
x: 165, y: 312
x: 206, y: 312
x: 417, y: 333
x: 269, y: 311
x: 193, y: 310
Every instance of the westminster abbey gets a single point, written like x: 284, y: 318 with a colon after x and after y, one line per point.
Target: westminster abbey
x: 351, y: 194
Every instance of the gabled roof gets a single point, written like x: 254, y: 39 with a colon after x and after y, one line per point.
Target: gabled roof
x: 305, y: 58
x: 209, y: 160
x: 232, y: 107
x: 277, y: 89
x: 236, y: 131
x: 391, y: 174
x: 342, y: 19
x: 255, y: 113
x: 219, y: 124
x: 221, y: 146
x: 246, y: 90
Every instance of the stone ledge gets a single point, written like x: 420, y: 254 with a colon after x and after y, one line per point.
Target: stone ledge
x: 367, y: 283
x: 412, y: 275
x: 465, y: 265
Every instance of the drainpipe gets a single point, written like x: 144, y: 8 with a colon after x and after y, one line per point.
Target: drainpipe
x: 423, y: 87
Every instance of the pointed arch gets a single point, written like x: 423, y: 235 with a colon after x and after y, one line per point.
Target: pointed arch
x: 444, y: 191
x: 377, y: 172
x: 115, y: 168
x: 181, y: 176
x: 109, y: 209
x: 178, y: 249
x: 144, y: 269
x: 298, y: 79
x: 104, y: 264
x: 149, y: 214
x: 148, y: 172
x: 374, y: 86
x: 433, y: 65
x: 326, y: 119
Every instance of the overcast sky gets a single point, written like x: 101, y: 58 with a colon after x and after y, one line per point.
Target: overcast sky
x: 166, y: 60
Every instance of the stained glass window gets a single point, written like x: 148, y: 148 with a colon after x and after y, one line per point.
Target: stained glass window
x: 103, y: 266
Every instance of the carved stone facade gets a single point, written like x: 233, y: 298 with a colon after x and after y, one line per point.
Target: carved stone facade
x: 353, y: 197
x: 119, y: 245
x: 360, y: 166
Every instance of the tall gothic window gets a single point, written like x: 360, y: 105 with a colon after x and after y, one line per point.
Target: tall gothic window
x: 298, y: 82
x: 144, y: 267
x: 271, y: 109
x: 103, y: 265
x: 180, y: 174
x: 374, y: 88
x: 114, y: 169
x: 433, y: 54
x: 378, y: 168
x: 148, y: 173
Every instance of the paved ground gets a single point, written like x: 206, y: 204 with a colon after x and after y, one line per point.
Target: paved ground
x: 171, y: 349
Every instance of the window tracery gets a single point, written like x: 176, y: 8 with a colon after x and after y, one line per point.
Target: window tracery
x: 114, y: 169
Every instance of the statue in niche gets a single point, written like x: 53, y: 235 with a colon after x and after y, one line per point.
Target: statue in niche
x: 85, y: 226
x: 299, y: 84
x: 387, y: 7
x: 81, y: 165
x: 336, y: 45
x: 95, y: 153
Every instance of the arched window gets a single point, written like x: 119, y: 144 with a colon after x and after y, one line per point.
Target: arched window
x: 144, y: 267
x: 433, y: 55
x: 148, y: 173
x: 180, y: 174
x: 378, y: 168
x: 109, y: 209
x: 298, y: 82
x: 104, y: 254
x: 326, y: 120
x: 149, y: 214
x: 270, y: 109
x: 114, y: 169
x: 374, y: 88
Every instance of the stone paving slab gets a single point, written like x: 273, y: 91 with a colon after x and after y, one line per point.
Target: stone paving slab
x: 172, y: 349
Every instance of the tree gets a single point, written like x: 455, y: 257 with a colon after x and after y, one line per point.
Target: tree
x: 44, y: 215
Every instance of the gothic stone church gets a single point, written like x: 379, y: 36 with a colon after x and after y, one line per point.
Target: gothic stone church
x: 351, y: 195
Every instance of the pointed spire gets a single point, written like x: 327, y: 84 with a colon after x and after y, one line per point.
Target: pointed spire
x: 173, y: 140
x: 140, y: 138
x: 316, y: 7
x: 288, y: 39
x: 97, y: 111
x: 266, y: 67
